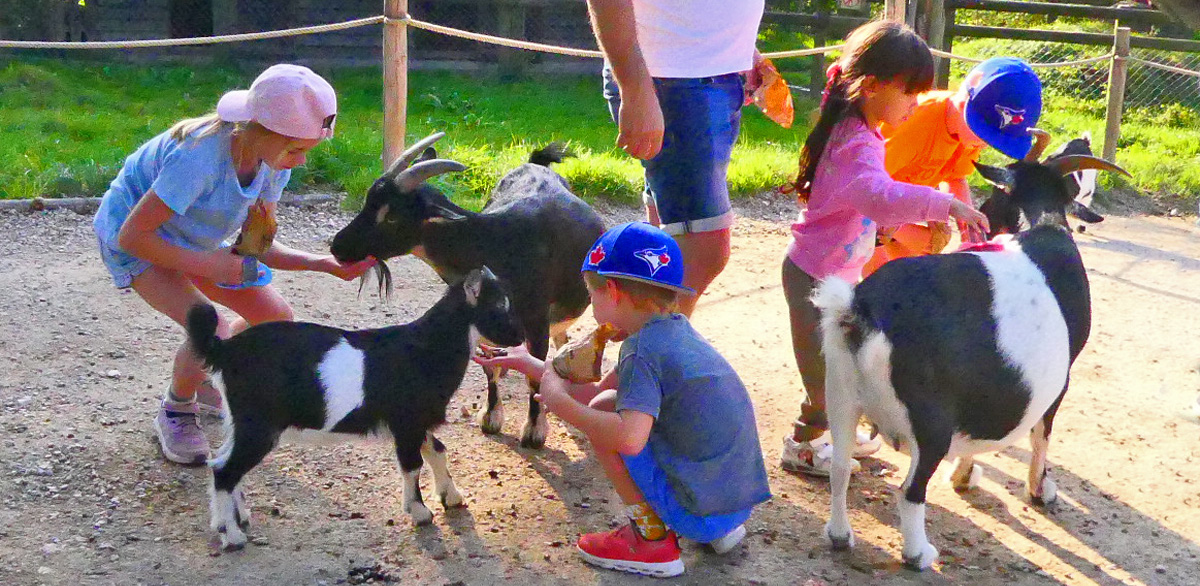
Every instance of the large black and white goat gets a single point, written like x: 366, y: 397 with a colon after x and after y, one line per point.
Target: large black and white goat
x: 533, y: 232
x: 957, y: 354
x: 395, y: 380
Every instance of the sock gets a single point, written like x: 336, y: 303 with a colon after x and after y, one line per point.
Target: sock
x: 646, y: 521
x: 173, y: 398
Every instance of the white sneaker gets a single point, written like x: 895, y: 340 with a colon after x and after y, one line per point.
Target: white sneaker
x: 724, y: 545
x: 815, y: 457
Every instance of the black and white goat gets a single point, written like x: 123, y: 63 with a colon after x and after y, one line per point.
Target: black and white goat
x: 395, y: 380
x: 533, y: 232
x: 957, y: 354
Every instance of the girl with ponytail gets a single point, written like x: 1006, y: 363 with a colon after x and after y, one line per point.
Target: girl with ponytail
x: 846, y: 192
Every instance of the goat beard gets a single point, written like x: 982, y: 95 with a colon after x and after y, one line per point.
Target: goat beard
x: 383, y: 278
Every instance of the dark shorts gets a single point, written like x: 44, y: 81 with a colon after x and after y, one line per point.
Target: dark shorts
x: 652, y: 481
x: 686, y: 180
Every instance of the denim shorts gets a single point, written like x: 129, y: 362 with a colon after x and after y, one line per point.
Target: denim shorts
x: 121, y: 265
x: 686, y: 180
x: 652, y: 481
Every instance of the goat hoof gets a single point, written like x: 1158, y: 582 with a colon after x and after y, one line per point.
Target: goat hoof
x: 1049, y: 494
x: 452, y: 499
x: 923, y: 560
x: 534, y: 434
x: 971, y: 481
x: 421, y: 515
x: 491, y: 422
x: 839, y: 542
x: 231, y: 539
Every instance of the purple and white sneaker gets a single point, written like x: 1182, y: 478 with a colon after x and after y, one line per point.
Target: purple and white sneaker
x: 179, y: 434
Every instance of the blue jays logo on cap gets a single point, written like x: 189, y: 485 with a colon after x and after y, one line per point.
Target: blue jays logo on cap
x: 640, y: 252
x: 1010, y: 116
x: 657, y: 258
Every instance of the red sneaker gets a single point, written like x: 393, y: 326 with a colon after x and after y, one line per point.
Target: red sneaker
x: 624, y: 549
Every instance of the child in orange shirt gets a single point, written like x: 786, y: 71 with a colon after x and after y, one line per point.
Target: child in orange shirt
x: 997, y: 103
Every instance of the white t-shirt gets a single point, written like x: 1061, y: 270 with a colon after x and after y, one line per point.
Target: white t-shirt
x: 697, y: 38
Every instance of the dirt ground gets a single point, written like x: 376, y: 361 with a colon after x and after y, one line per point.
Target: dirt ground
x: 86, y: 498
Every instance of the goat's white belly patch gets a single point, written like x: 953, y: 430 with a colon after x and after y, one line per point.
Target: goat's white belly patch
x: 341, y: 376
x: 1031, y: 332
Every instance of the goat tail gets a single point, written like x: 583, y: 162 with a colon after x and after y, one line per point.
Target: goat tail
x: 554, y: 152
x: 202, y: 333
x: 840, y: 334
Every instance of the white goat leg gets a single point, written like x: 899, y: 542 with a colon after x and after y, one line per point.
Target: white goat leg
x: 491, y: 421
x: 842, y: 425
x: 223, y: 511
x: 443, y: 484
x: 918, y: 553
x: 421, y: 515
x: 1042, y: 490
x: 966, y: 474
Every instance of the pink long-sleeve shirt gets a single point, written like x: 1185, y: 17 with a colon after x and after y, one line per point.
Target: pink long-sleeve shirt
x: 852, y: 193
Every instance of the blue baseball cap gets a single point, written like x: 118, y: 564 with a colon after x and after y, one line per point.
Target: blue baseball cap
x: 1004, y: 104
x: 640, y: 252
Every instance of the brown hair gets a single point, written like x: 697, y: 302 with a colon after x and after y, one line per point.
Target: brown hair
x: 883, y: 49
x: 643, y: 295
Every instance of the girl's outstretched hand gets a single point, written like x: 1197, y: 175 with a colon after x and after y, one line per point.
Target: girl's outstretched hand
x: 346, y: 271
x: 972, y: 219
x: 515, y: 358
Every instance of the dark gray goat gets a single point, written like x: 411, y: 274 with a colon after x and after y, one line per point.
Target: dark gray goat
x: 533, y: 232
x: 300, y: 376
x: 952, y: 355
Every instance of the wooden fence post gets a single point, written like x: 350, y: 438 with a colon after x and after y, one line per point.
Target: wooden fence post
x: 939, y: 40
x: 510, y: 23
x: 894, y: 10
x: 395, y: 80
x: 1116, y: 91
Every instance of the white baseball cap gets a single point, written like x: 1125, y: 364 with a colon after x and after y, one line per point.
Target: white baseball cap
x: 288, y: 99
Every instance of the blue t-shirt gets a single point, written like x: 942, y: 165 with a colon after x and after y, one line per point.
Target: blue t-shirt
x: 704, y: 436
x: 197, y: 179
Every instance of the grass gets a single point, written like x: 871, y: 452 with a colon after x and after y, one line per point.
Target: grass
x: 67, y: 127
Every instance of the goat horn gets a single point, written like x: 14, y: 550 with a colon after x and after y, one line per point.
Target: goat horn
x: 1041, y: 140
x: 1072, y: 163
x: 402, y: 162
x: 411, y: 177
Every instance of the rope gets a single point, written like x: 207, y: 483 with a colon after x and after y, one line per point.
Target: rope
x: 1104, y: 57
x: 453, y: 32
x: 1166, y: 67
x: 306, y: 30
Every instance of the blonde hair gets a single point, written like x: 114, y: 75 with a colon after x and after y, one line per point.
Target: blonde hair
x: 210, y: 124
x: 645, y: 296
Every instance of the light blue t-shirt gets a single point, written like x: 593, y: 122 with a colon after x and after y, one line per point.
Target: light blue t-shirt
x: 704, y: 437
x: 197, y: 179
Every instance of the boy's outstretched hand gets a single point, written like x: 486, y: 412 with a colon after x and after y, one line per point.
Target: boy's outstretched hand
x: 552, y: 393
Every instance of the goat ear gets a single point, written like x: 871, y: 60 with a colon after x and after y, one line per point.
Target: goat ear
x: 473, y: 285
x: 429, y: 155
x: 998, y: 176
x: 1084, y: 213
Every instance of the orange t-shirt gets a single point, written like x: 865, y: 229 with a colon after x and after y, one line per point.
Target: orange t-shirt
x: 934, y: 145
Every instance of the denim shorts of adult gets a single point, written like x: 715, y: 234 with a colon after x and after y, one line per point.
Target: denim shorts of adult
x: 686, y: 181
x: 121, y: 265
x: 652, y: 481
